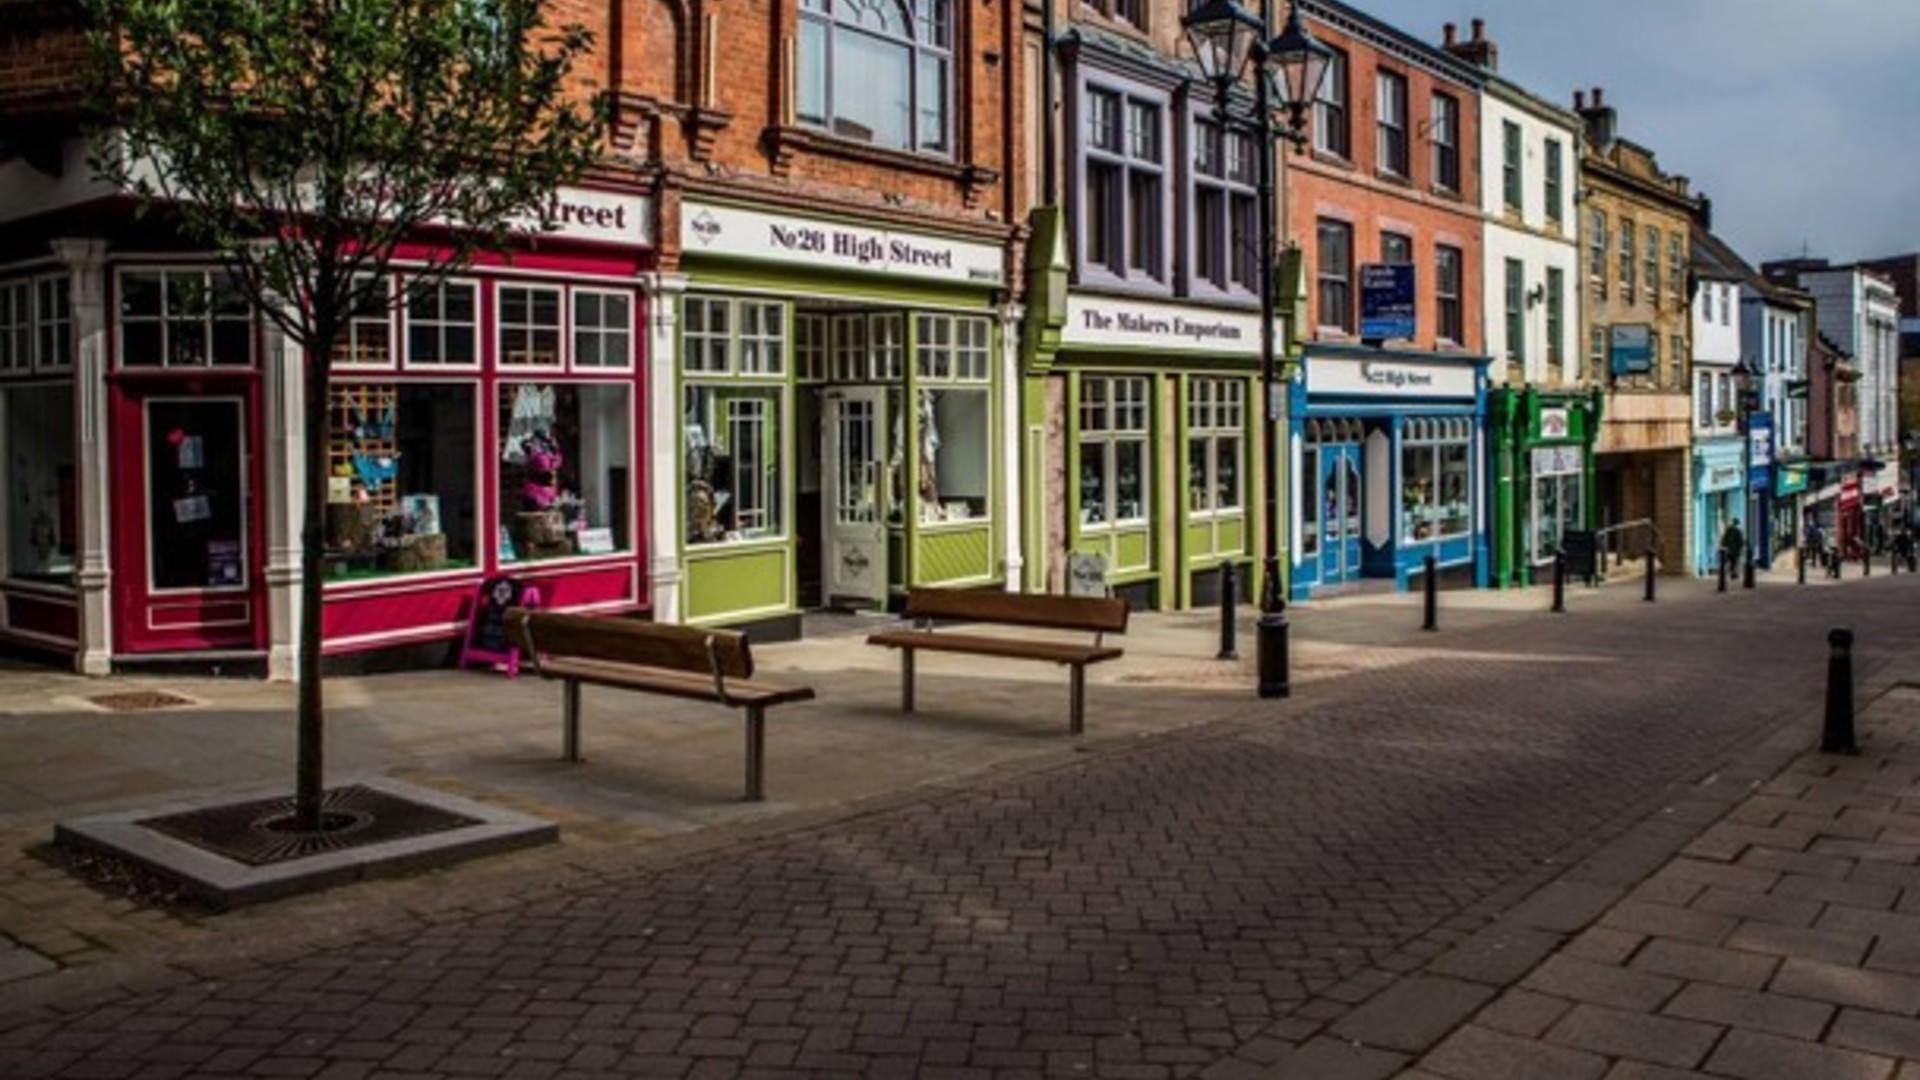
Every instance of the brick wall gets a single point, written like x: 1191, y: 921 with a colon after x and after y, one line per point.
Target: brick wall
x: 40, y: 59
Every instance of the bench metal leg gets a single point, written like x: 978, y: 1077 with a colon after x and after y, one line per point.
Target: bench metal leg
x: 1078, y: 722
x: 756, y: 752
x: 906, y: 680
x: 570, y: 719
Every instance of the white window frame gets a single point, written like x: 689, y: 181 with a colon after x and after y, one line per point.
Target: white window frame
x: 167, y: 320
x: 1391, y: 94
x: 1116, y: 414
x: 347, y: 347
x: 444, y: 327
x: 1217, y: 411
x: 602, y: 331
x: 527, y: 330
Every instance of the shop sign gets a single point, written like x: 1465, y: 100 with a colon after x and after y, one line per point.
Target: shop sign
x: 603, y: 217
x: 1760, y: 439
x: 715, y: 229
x: 1719, y: 477
x: 1556, y: 460
x: 1103, y: 322
x: 1630, y: 349
x: 1388, y: 378
x: 1555, y: 423
x: 1386, y: 301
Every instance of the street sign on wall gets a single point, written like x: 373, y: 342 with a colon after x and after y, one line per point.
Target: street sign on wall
x: 1386, y: 301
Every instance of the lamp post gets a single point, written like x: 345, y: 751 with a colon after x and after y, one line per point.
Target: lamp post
x: 1229, y: 43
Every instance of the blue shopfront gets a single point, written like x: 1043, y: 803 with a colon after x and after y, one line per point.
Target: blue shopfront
x: 1388, y: 455
x: 1718, y: 489
x: 1760, y: 473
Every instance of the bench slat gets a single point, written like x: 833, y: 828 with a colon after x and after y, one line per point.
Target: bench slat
x: 1059, y: 652
x: 1092, y: 613
x: 690, y: 685
x: 629, y: 641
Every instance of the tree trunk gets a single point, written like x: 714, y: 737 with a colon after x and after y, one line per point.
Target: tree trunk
x: 309, y: 765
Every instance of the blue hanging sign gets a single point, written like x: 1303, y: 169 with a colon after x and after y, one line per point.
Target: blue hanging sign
x: 1386, y: 301
x: 1630, y: 349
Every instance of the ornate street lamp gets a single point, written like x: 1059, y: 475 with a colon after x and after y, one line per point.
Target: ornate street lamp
x: 1230, y: 44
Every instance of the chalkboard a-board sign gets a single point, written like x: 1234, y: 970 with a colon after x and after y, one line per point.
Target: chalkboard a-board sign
x: 487, y: 623
x: 1579, y: 548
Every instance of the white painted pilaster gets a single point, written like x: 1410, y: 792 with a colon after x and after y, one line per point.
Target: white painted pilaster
x: 662, y: 452
x: 283, y: 395
x: 1012, y: 485
x: 86, y: 260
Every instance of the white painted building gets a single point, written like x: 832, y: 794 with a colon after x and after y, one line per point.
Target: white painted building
x: 1530, y: 153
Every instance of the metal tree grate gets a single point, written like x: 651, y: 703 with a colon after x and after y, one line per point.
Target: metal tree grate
x: 261, y: 832
x: 139, y: 700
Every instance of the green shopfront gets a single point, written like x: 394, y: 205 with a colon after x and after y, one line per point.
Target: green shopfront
x: 1139, y: 429
x: 1543, y: 477
x: 837, y: 431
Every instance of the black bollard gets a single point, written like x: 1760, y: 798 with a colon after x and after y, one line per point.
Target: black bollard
x: 1913, y: 562
x: 1833, y: 565
x: 1229, y: 595
x: 1800, y: 564
x: 1559, y: 583
x: 1649, y: 596
x: 1723, y: 573
x: 1866, y: 561
x: 1433, y: 595
x: 1746, y: 572
x: 1837, y: 736
x: 1270, y: 633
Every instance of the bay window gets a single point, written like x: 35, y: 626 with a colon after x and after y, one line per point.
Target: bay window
x: 1113, y: 451
x: 566, y: 469
x: 1122, y: 186
x: 1435, y: 479
x: 878, y: 71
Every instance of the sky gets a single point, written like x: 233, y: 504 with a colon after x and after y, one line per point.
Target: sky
x: 1799, y: 118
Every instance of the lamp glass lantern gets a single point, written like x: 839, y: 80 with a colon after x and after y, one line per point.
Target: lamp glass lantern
x: 1302, y: 62
x: 1223, y: 36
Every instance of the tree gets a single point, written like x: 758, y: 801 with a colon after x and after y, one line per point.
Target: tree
x: 304, y: 141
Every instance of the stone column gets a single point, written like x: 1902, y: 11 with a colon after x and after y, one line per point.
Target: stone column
x: 85, y: 261
x: 662, y: 452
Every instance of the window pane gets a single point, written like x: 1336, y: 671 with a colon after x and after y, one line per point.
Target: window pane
x: 42, y: 525
x: 1130, y: 480
x: 1101, y: 215
x: 1418, y: 507
x: 955, y: 455
x: 1103, y: 120
x: 735, y: 476
x: 1093, y: 484
x: 566, y: 469
x: 872, y: 90
x: 1330, y: 108
x: 408, y: 505
x: 933, y: 104
x: 1143, y: 226
x: 811, y: 108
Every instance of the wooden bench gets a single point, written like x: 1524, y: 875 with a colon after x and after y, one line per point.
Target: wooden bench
x: 1096, y: 615
x: 651, y: 658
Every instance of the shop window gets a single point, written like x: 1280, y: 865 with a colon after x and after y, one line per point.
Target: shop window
x: 733, y: 463
x: 952, y: 348
x: 196, y: 494
x: 1435, y: 470
x: 1557, y: 499
x: 810, y: 348
x: 1216, y: 438
x: 529, y: 325
x: 602, y: 329
x: 184, y: 318
x: 733, y: 415
x: 954, y: 458
x: 367, y: 338
x: 53, y: 324
x: 1330, y: 135
x: 1309, y: 493
x: 566, y: 469
x: 443, y: 324
x: 1113, y: 445
x: 401, y: 462
x: 877, y: 71
x: 42, y: 508
x: 16, y: 326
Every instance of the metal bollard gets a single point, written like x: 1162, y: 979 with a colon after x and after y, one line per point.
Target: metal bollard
x: 1837, y: 736
x: 1722, y: 572
x: 1275, y: 679
x: 1649, y: 596
x: 1833, y: 565
x: 1229, y: 595
x: 1433, y: 598
x: 1800, y: 564
x: 1559, y: 583
x: 1746, y: 571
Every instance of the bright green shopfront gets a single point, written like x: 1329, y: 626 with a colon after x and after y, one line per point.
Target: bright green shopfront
x: 1139, y: 423
x: 1543, y: 466
x: 838, y: 403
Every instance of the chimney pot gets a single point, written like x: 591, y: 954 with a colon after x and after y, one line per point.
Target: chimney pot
x: 1448, y: 33
x: 1479, y: 29
x: 1579, y: 100
x: 1598, y: 101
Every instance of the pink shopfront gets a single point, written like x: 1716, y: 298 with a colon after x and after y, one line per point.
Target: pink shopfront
x: 487, y: 425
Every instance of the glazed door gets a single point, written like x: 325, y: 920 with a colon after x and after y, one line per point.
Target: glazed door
x: 1340, y: 492
x: 188, y: 548
x: 855, y: 496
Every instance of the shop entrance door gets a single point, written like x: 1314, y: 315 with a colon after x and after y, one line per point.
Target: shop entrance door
x: 854, y: 460
x: 188, y: 550
x: 1340, y: 513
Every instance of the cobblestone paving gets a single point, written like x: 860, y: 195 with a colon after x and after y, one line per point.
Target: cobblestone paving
x: 1220, y: 895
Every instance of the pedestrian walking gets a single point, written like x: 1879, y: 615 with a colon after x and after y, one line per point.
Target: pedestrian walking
x: 1732, y: 543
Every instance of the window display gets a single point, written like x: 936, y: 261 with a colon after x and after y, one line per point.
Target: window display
x: 566, y: 467
x: 1216, y: 427
x: 40, y: 484
x: 1435, y: 479
x: 1557, y: 498
x: 196, y: 494
x: 732, y: 442
x: 400, y: 487
x: 955, y: 456
x: 1113, y: 450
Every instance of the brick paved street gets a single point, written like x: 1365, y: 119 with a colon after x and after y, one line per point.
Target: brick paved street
x: 1485, y: 821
